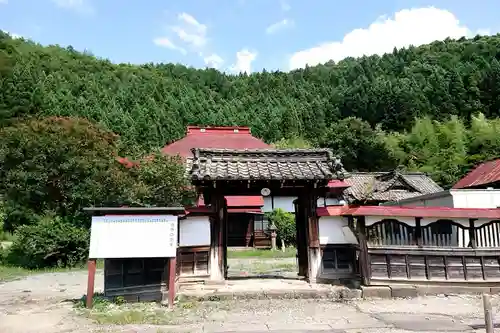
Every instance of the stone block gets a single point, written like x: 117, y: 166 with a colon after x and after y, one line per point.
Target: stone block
x: 403, y: 291
x: 299, y: 327
x: 348, y: 294
x: 231, y: 327
x: 450, y: 290
x: 495, y: 290
x: 310, y: 294
x: 376, y: 291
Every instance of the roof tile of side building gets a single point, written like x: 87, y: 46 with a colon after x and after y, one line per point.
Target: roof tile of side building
x: 484, y: 174
x: 388, y: 186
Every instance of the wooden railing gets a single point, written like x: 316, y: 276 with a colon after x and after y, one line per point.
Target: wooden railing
x: 439, y: 251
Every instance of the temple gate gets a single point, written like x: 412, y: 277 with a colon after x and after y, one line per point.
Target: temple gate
x: 303, y: 173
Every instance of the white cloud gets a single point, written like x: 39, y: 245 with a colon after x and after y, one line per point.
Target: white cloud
x: 408, y: 27
x: 285, y: 6
x: 165, y: 42
x: 244, y: 59
x: 280, y: 25
x: 191, y: 31
x: 81, y: 6
x: 188, y: 35
x: 213, y: 61
x: 13, y: 35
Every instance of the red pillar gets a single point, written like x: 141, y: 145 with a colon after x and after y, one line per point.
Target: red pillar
x: 90, y: 282
x: 172, y: 270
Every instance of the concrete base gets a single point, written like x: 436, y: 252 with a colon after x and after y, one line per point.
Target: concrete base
x: 332, y: 295
x: 376, y: 292
x: 299, y: 289
x: 409, y: 291
x: 403, y: 291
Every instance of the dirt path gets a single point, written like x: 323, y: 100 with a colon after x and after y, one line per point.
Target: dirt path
x: 41, y: 304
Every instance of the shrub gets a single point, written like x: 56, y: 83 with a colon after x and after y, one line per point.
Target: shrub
x: 285, y: 225
x: 52, y: 242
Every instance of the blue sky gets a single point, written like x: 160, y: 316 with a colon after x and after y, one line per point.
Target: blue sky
x: 244, y: 35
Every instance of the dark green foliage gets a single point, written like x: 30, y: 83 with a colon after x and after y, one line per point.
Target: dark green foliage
x: 446, y: 150
x: 285, y: 225
x: 150, y: 105
x: 160, y: 180
x: 54, y: 167
x: 51, y: 242
x: 360, y: 147
x: 58, y: 165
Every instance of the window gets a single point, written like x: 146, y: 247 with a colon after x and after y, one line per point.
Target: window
x: 337, y: 259
x: 193, y: 263
x: 260, y: 223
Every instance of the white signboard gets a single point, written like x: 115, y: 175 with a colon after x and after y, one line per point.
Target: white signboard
x: 133, y: 236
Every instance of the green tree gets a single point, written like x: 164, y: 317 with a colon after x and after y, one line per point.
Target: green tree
x: 61, y: 165
x: 58, y: 165
x: 285, y: 225
x: 359, y: 145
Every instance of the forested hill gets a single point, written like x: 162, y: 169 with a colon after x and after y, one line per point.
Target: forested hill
x: 152, y: 104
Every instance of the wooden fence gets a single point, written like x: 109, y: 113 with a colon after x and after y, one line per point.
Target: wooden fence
x: 443, y: 250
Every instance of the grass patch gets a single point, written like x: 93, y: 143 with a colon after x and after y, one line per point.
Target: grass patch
x: 290, y: 252
x: 9, y: 273
x: 108, y: 312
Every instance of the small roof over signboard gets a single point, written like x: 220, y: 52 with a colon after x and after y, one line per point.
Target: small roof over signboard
x: 265, y: 164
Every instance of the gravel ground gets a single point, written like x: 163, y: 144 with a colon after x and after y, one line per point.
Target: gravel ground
x: 42, y: 304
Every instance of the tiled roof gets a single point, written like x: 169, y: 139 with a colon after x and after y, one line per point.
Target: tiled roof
x: 484, y: 174
x: 214, y: 137
x: 268, y: 164
x: 388, y: 186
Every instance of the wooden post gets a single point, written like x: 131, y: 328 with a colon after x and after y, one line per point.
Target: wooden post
x: 363, y: 255
x: 418, y: 231
x: 172, y: 264
x: 472, y: 233
x: 488, y: 316
x: 90, y: 282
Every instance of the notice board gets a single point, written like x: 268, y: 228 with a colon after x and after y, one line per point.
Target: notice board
x: 151, y: 236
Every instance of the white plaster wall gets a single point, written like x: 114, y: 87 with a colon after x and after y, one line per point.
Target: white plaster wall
x: 194, y: 231
x: 444, y: 201
x: 369, y: 220
x: 460, y: 198
x: 335, y: 230
x: 268, y: 204
x: 476, y: 198
x: 428, y: 220
x: 285, y: 203
x: 328, y: 201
